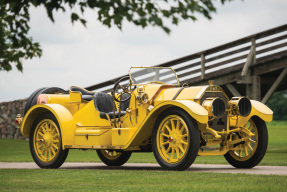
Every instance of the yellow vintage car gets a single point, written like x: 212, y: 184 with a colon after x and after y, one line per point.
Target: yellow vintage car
x: 147, y: 111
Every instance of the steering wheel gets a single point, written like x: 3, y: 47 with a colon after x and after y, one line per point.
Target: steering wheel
x: 125, y: 89
x: 156, y: 82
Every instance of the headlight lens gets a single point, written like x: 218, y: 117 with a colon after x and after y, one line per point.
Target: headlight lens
x: 244, y: 106
x: 241, y: 106
x: 215, y: 106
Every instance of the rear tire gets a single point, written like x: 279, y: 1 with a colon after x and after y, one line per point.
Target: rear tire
x: 114, y: 158
x: 46, y: 142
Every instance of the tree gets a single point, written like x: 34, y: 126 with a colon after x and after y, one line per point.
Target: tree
x: 278, y: 103
x: 15, y: 44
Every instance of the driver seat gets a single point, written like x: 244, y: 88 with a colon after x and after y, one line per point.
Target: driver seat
x: 104, y: 104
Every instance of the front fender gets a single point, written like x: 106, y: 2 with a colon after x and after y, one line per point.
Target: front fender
x: 63, y: 116
x: 144, y: 131
x: 258, y: 109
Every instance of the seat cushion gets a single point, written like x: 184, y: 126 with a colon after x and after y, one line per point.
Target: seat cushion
x: 103, y: 102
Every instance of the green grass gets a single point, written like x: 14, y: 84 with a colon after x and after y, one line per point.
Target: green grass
x: 18, y: 151
x: 135, y: 180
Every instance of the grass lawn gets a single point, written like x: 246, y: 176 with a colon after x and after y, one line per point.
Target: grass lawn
x: 18, y: 151
x: 127, y: 180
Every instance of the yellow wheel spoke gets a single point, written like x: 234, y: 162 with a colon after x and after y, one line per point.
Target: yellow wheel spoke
x: 240, y: 153
x: 55, y: 146
x: 252, y: 141
x: 182, y: 150
x: 167, y: 127
x: 249, y: 146
x: 167, y: 142
x: 53, y: 151
x: 172, y: 153
x: 168, y: 149
x: 177, y: 124
x: 165, y: 135
x: 183, y: 142
x: 177, y: 152
x: 245, y: 150
x: 172, y: 125
x: 185, y: 135
x: 181, y: 129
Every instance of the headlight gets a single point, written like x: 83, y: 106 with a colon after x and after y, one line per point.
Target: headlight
x: 214, y: 106
x: 241, y: 106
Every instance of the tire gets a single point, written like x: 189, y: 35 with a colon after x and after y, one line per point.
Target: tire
x: 46, y: 142
x: 258, y: 143
x: 114, y: 158
x: 175, y: 139
x: 32, y: 100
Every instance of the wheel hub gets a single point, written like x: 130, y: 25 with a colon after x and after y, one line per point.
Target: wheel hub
x: 47, y: 140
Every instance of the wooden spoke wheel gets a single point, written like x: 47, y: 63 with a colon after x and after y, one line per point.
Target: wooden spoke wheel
x: 252, y: 151
x: 114, y: 158
x: 175, y: 140
x: 46, y: 142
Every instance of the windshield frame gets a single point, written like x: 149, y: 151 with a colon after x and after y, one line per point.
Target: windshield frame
x: 178, y: 81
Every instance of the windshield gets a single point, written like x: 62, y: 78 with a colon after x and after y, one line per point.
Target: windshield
x: 144, y: 75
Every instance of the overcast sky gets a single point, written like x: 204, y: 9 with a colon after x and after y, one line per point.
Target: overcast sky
x: 75, y: 55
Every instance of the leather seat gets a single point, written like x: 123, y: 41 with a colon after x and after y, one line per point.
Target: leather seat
x: 104, y: 104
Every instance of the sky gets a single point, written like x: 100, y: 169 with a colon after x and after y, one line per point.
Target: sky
x: 75, y: 55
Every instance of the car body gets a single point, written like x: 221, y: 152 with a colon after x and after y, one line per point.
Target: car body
x: 146, y: 113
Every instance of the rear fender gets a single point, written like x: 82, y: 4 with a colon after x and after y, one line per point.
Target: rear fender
x: 63, y: 116
x: 144, y: 131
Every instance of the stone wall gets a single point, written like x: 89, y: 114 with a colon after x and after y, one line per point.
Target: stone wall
x: 8, y: 112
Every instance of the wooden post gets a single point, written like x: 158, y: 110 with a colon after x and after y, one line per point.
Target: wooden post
x: 202, y: 66
x: 251, y: 58
x: 256, y: 88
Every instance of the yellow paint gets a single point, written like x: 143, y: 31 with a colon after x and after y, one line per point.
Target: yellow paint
x: 120, y: 136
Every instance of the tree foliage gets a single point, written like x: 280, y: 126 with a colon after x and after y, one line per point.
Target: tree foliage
x: 15, y: 44
x: 278, y: 103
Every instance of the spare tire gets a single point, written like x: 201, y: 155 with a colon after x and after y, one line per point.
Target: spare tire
x: 32, y: 100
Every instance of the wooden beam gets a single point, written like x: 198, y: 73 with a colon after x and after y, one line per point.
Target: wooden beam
x: 250, y: 58
x: 202, y: 66
x: 274, y: 86
x: 256, y: 88
x: 233, y: 90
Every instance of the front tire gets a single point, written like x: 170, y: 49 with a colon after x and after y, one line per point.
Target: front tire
x: 46, y: 142
x: 114, y: 158
x: 254, y: 149
x: 175, y: 140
